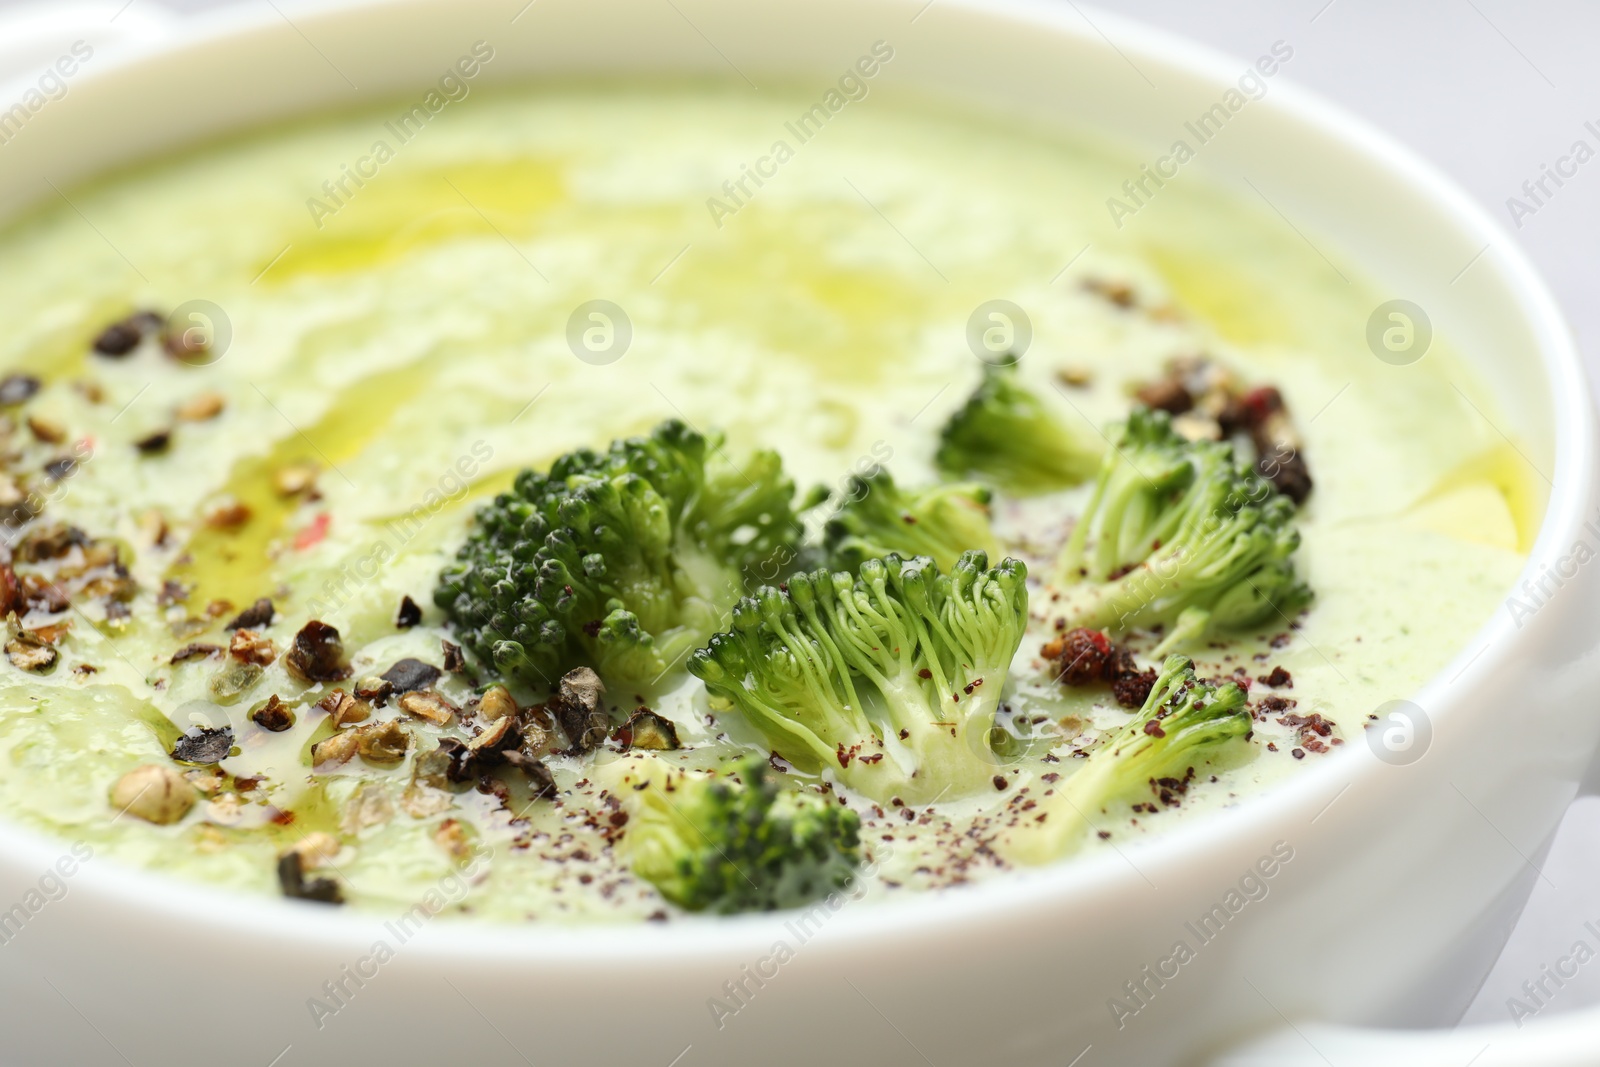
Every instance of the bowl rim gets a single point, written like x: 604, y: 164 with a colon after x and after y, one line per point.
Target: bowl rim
x: 601, y: 944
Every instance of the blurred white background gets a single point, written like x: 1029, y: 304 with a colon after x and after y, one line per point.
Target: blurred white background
x: 1489, y: 90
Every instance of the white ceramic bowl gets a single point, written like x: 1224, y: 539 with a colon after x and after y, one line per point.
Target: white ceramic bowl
x: 1404, y: 879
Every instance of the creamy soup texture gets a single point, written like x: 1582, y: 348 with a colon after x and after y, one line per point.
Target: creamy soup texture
x: 395, y: 355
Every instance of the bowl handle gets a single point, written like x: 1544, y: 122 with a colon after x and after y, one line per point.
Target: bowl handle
x: 34, y: 35
x: 1565, y: 1040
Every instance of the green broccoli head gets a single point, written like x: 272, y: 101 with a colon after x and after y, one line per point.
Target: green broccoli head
x: 733, y: 840
x: 1185, y: 723
x: 1005, y: 435
x: 879, y: 517
x: 890, y: 678
x: 622, y: 559
x: 1179, y: 533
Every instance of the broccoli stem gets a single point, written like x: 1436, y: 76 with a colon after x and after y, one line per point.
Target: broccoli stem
x: 1185, y: 723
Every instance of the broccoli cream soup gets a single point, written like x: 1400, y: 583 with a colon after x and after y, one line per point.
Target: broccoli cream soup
x: 612, y: 501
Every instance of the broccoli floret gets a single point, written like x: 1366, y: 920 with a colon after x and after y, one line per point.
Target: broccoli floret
x: 732, y: 840
x: 1005, y: 435
x: 891, y: 678
x: 1185, y: 722
x: 878, y: 517
x: 622, y: 560
x: 1181, y: 534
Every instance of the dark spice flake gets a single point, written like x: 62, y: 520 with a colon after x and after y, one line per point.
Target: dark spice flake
x: 317, y: 654
x: 408, y: 675
x: 17, y: 388
x: 254, y: 617
x: 122, y: 337
x: 195, y: 650
x: 60, y: 468
x: 292, y: 877
x: 156, y: 441
x: 1088, y: 656
x: 274, y: 715
x: 541, y: 784
x: 579, y: 710
x: 205, y: 746
x: 118, y: 339
x: 172, y: 592
x: 408, y: 614
x: 1278, y: 679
